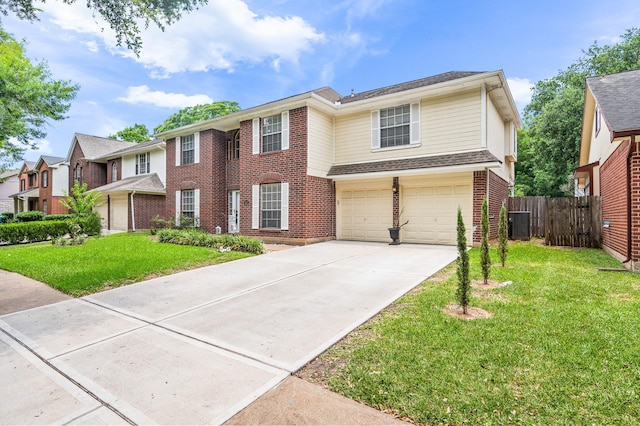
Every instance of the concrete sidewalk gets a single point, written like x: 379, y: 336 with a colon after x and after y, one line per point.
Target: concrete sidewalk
x: 201, y: 345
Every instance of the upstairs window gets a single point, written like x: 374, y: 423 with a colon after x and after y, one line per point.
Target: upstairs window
x: 143, y: 163
x: 33, y: 180
x: 45, y: 178
x: 234, y: 147
x: 598, y: 119
x: 114, y: 171
x: 188, y: 150
x: 23, y: 185
x: 395, y: 126
x: 78, y: 173
x: 271, y: 133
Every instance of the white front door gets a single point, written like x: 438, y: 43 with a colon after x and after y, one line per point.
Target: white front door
x: 234, y: 212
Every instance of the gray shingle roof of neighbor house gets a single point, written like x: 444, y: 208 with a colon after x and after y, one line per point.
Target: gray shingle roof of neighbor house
x: 50, y: 160
x: 617, y: 95
x: 9, y: 173
x: 134, y: 147
x: 428, y: 81
x: 150, y: 183
x: 445, y: 160
x: 95, y: 147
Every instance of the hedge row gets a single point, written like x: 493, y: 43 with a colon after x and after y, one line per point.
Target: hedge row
x: 193, y: 237
x: 31, y: 232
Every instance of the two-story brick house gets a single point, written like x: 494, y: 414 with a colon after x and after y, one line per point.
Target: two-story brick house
x: 135, y: 191
x: 42, y: 185
x: 319, y: 166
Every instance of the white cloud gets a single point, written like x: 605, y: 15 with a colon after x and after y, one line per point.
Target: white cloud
x: 521, y: 91
x: 220, y: 35
x: 142, y: 94
x: 92, y: 46
x: 43, y: 147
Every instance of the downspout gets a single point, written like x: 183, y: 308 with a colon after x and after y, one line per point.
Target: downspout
x: 629, y: 216
x: 133, y: 215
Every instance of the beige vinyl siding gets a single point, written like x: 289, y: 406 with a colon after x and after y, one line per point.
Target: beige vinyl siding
x: 320, y: 145
x: 447, y: 124
x: 497, y: 134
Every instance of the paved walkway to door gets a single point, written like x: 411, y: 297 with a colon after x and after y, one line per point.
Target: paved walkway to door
x: 198, y: 346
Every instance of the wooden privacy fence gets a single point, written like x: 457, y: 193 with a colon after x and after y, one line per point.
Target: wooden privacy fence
x: 563, y: 221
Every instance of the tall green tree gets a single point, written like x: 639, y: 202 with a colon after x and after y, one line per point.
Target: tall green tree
x: 485, y: 259
x: 197, y: 113
x: 29, y: 98
x: 123, y: 16
x: 549, y: 145
x: 136, y: 133
x: 464, y: 283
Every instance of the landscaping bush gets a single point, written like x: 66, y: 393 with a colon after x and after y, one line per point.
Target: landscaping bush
x: 6, y: 217
x: 32, y: 216
x: 31, y: 232
x: 193, y: 237
x: 58, y: 217
x: 90, y: 224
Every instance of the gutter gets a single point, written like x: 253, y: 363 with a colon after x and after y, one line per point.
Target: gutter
x: 629, y: 216
x: 133, y: 214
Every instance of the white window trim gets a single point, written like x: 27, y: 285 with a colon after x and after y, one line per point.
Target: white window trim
x: 284, y: 206
x: 255, y: 207
x: 256, y: 136
x: 178, y: 206
x: 196, y: 148
x: 414, y: 129
x: 178, y: 151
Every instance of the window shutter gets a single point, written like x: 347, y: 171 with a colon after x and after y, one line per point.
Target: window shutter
x: 375, y: 129
x: 196, y: 147
x: 256, y: 136
x: 178, y: 206
x: 285, y: 130
x: 178, y: 151
x: 148, y: 162
x: 284, y: 206
x: 414, y: 130
x: 196, y: 207
x: 255, y: 207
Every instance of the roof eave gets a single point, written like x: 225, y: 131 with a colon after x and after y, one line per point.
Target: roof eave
x: 421, y: 171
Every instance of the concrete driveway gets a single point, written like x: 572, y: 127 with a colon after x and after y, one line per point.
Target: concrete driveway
x: 198, y: 346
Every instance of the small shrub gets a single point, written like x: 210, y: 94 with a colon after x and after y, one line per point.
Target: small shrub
x: 6, y: 217
x: 195, y: 237
x: 58, y: 217
x: 89, y: 224
x: 31, y: 232
x: 503, y: 231
x: 32, y: 216
x: 76, y: 237
x: 464, y: 283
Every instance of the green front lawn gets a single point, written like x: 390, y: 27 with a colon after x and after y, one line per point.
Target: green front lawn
x: 562, y: 347
x: 106, y: 262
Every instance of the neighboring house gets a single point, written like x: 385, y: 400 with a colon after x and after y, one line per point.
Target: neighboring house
x: 8, y: 185
x: 320, y: 166
x: 29, y: 192
x: 609, y: 163
x: 86, y: 159
x: 53, y: 175
x: 135, y: 189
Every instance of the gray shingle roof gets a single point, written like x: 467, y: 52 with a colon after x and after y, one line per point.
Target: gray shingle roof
x: 95, y: 147
x: 445, y: 160
x: 617, y: 95
x: 428, y: 81
x: 150, y: 183
x: 51, y: 160
x: 135, y: 147
x: 9, y: 173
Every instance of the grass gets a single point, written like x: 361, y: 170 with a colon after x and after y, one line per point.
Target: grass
x: 562, y: 346
x: 106, y: 262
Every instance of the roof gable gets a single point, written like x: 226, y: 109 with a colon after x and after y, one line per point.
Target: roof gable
x: 617, y: 96
x: 94, y: 147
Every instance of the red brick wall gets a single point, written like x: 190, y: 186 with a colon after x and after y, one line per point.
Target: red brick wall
x: 209, y: 176
x: 634, y: 163
x: 497, y: 193
x: 93, y: 174
x: 311, y: 199
x: 46, y: 193
x: 614, y: 186
x: 146, y: 206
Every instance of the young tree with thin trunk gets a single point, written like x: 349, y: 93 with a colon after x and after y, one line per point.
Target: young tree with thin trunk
x: 485, y: 259
x: 463, y: 265
x: 503, y: 231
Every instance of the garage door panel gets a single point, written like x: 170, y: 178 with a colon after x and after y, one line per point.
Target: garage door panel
x: 432, y: 212
x: 365, y: 214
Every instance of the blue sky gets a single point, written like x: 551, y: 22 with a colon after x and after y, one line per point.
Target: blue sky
x: 256, y: 51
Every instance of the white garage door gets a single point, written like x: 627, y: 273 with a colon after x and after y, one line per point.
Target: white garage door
x: 119, y: 213
x: 432, y: 210
x: 365, y: 214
